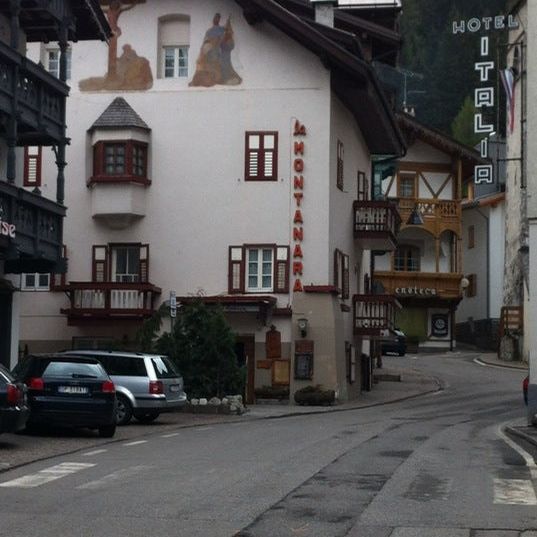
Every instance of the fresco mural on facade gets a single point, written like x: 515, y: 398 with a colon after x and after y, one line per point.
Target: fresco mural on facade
x: 214, y: 61
x: 128, y: 71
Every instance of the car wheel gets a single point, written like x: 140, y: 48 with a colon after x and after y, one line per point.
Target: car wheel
x: 401, y: 353
x: 123, y: 411
x: 107, y: 431
x: 147, y: 417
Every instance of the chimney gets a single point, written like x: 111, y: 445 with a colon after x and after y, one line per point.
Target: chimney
x: 324, y: 11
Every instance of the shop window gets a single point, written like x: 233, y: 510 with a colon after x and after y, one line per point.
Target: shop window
x: 258, y: 269
x: 261, y: 156
x: 407, y: 258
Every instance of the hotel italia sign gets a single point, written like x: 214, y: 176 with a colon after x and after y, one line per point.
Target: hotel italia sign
x: 484, y: 95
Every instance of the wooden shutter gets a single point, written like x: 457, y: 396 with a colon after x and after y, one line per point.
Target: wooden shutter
x: 236, y: 270
x: 338, y: 260
x: 261, y: 160
x: 345, y: 286
x: 32, y: 166
x: 363, y: 187
x: 100, y: 263
x: 57, y: 281
x: 144, y: 263
x: 273, y: 344
x: 339, y: 170
x: 281, y: 269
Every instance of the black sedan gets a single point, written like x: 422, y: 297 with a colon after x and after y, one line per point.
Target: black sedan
x: 14, y: 410
x: 69, y: 392
x: 396, y: 344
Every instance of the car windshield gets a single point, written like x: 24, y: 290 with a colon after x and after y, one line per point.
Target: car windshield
x: 78, y: 370
x: 164, y: 368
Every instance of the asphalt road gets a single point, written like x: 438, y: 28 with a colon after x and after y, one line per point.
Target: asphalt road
x: 435, y: 466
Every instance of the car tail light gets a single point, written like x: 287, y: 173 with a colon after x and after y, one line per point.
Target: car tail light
x: 156, y: 387
x: 13, y: 394
x: 108, y: 387
x: 36, y: 383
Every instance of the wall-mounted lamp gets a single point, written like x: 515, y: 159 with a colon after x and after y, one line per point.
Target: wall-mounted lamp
x: 465, y: 282
x: 303, y: 326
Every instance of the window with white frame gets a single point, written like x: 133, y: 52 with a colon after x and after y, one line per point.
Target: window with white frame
x: 52, y: 60
x: 34, y: 281
x: 126, y: 264
x: 175, y: 62
x: 258, y: 269
x: 174, y: 44
x: 120, y: 263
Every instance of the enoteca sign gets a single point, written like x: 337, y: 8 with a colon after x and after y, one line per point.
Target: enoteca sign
x: 484, y: 95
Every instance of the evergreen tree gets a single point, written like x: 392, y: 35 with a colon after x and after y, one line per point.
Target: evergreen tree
x: 462, y: 128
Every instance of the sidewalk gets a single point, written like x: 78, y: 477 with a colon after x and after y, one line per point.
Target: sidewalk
x: 492, y: 359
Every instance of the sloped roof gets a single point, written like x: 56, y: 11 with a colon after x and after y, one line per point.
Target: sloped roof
x: 354, y: 81
x: 120, y: 115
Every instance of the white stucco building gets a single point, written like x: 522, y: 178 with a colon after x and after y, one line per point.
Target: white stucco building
x: 218, y: 148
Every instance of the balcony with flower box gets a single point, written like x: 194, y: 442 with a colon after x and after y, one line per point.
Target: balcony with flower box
x: 376, y: 224
x: 102, y: 301
x: 374, y: 315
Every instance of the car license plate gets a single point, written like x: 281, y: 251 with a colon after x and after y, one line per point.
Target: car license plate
x: 73, y: 389
x: 175, y: 388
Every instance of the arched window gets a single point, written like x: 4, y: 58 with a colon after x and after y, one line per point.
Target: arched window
x: 407, y: 258
x: 174, y: 44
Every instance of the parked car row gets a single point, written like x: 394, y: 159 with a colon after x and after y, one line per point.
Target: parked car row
x: 90, y: 389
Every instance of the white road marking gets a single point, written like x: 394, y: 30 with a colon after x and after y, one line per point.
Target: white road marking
x: 204, y: 429
x: 137, y: 443
x: 47, y: 475
x: 171, y: 435
x: 528, y: 459
x: 514, y: 492
x: 114, y: 476
x: 95, y: 452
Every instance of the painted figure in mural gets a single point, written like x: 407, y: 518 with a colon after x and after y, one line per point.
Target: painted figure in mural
x: 128, y: 71
x: 214, y: 61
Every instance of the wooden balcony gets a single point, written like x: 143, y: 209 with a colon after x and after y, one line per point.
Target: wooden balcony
x: 35, y: 97
x: 374, y: 315
x: 420, y: 285
x: 376, y: 224
x: 438, y: 215
x: 97, y: 302
x: 37, y: 244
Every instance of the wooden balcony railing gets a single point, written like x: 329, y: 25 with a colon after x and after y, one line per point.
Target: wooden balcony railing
x: 420, y: 284
x: 376, y: 224
x: 92, y: 301
x: 38, y: 97
x: 374, y: 315
x: 37, y: 245
x: 437, y: 215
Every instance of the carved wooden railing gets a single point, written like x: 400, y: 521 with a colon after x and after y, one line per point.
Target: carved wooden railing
x: 110, y: 300
x: 374, y: 315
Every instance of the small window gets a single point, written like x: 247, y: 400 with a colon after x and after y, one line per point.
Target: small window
x: 123, y: 263
x: 407, y: 258
x: 32, y: 166
x: 407, y: 186
x: 35, y: 282
x: 53, y: 62
x: 114, y: 159
x: 363, y: 187
x: 175, y: 62
x: 126, y: 264
x: 471, y: 237
x: 260, y: 269
x: 341, y: 274
x: 339, y: 169
x: 120, y: 161
x: 261, y: 156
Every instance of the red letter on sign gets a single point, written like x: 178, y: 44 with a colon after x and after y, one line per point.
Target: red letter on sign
x: 298, y: 234
x: 297, y: 268
x: 299, y: 148
x: 298, y: 287
x: 298, y: 217
x: 299, y: 182
x: 298, y: 165
x: 298, y: 251
x: 298, y: 197
x: 300, y: 130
